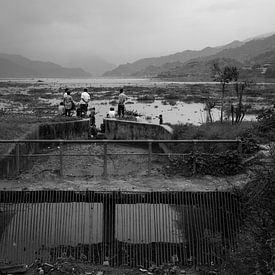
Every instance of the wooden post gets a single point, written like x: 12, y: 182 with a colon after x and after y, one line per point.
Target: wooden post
x: 194, y: 157
x: 105, y: 173
x: 17, y: 158
x: 149, y: 158
x: 61, y: 158
x: 240, y: 148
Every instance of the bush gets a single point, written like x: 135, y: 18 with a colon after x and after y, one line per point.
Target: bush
x: 255, y: 252
x: 215, y: 131
x: 226, y: 163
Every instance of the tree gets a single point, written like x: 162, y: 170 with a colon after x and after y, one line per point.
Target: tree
x: 238, y: 112
x: 224, y: 76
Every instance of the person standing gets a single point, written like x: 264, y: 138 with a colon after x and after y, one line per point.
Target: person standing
x: 65, y: 94
x: 68, y: 102
x: 121, y: 103
x: 84, y: 100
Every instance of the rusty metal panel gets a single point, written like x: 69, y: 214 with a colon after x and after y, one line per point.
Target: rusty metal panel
x: 125, y: 228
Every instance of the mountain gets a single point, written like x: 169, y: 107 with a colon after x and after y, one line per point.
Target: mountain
x: 198, y: 69
x: 92, y: 64
x: 19, y: 66
x: 253, y: 55
x: 264, y: 58
x: 249, y: 49
x: 131, y: 69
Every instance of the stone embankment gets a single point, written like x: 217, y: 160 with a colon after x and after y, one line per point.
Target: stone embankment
x: 11, y: 163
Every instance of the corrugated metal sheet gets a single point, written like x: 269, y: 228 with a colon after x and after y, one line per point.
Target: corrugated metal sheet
x: 128, y: 228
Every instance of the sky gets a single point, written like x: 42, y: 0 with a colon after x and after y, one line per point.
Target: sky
x: 122, y: 31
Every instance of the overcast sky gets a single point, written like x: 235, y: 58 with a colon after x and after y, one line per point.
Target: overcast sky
x: 122, y: 31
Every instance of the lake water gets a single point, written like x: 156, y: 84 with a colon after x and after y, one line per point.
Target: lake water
x: 179, y: 112
x: 98, y: 82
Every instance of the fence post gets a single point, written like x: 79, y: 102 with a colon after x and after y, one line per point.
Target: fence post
x: 61, y: 158
x: 105, y: 173
x: 17, y: 158
x: 240, y: 148
x: 149, y: 158
x: 194, y: 157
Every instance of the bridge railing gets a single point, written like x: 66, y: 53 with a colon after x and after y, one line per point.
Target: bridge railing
x: 16, y: 154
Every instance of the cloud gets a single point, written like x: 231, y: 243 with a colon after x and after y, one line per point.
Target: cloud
x: 123, y: 30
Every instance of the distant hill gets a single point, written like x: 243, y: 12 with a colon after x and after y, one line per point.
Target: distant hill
x: 252, y: 55
x: 249, y: 49
x: 94, y: 65
x: 264, y: 58
x: 135, y: 68
x: 195, y: 65
x: 19, y: 66
x: 198, y: 69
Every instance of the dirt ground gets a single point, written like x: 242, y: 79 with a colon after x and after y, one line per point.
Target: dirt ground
x: 125, y: 172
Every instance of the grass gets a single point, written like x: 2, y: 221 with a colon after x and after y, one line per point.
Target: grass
x: 214, y: 130
x: 251, y: 134
x: 14, y: 126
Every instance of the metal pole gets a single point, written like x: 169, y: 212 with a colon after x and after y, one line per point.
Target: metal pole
x: 61, y: 158
x: 194, y: 157
x: 17, y: 158
x: 240, y: 149
x: 149, y: 158
x: 105, y: 173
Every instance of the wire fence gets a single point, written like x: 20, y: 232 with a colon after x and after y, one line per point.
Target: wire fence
x: 26, y: 151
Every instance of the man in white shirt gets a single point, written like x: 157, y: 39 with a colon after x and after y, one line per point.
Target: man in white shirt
x: 112, y: 113
x: 85, y: 98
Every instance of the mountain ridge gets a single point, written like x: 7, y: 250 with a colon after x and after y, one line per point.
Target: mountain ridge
x: 241, y: 51
x: 15, y: 65
x: 141, y: 64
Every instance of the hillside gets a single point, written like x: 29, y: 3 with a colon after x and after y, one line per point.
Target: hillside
x: 197, y: 69
x: 250, y: 49
x: 259, y: 66
x: 135, y: 68
x: 196, y: 65
x: 19, y: 66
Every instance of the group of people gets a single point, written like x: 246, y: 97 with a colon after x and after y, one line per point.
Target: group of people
x: 67, y: 105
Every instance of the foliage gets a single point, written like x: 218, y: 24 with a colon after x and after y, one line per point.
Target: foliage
x: 266, y: 119
x: 224, y: 76
x: 255, y: 253
x: 216, y: 131
x: 265, y: 128
x: 226, y: 163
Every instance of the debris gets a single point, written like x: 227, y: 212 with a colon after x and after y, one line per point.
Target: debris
x: 41, y: 271
x: 12, y: 269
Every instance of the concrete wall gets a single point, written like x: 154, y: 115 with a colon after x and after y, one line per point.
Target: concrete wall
x: 54, y: 130
x: 131, y: 130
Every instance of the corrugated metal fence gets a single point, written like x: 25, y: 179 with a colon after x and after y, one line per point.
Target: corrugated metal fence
x: 125, y: 228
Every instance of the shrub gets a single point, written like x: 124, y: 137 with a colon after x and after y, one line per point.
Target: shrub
x: 255, y: 251
x: 215, y: 131
x: 226, y: 163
